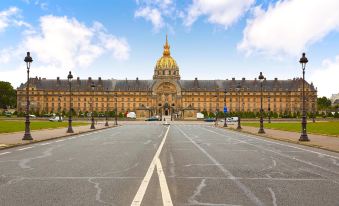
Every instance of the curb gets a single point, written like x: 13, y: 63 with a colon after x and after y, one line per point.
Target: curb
x: 283, y: 140
x: 53, y: 138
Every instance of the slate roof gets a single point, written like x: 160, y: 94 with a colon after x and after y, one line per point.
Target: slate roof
x: 146, y: 85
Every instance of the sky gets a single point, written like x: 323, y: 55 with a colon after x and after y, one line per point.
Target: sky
x: 209, y: 39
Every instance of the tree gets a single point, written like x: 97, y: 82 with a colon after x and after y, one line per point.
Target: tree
x: 323, y: 103
x: 7, y: 95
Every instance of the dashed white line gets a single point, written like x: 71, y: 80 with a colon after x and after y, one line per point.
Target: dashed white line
x: 24, y: 148
x: 60, y: 140
x: 4, y: 153
x: 46, y: 143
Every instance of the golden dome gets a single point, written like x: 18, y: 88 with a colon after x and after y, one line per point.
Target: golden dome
x: 166, y: 61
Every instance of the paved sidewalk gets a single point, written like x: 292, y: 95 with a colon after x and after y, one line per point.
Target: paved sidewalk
x: 15, y: 138
x: 319, y: 141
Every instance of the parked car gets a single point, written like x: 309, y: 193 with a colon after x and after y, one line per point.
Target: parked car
x: 56, y: 119
x: 209, y: 120
x: 232, y: 119
x: 8, y: 114
x: 32, y: 116
x: 152, y: 119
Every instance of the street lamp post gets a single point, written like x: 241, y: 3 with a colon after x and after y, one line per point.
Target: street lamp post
x: 225, y: 109
x: 92, y: 115
x: 261, y: 130
x: 106, y: 124
x: 70, y: 128
x: 27, y: 135
x: 116, y: 109
x: 303, y: 137
x: 238, y: 93
x: 269, y: 109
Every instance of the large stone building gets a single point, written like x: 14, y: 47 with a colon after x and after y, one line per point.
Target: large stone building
x: 166, y: 94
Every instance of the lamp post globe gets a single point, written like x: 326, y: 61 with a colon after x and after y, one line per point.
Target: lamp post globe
x: 92, y: 115
x: 303, y: 137
x: 70, y: 128
x: 261, y: 129
x: 27, y: 136
x: 225, y: 109
x: 238, y: 93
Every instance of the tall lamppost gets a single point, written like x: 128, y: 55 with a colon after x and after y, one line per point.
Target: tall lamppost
x: 116, y: 109
x: 238, y: 93
x: 59, y: 108
x: 261, y: 130
x: 303, y: 137
x: 106, y: 124
x: 27, y: 135
x: 225, y: 109
x: 92, y: 115
x: 70, y: 128
x: 269, y: 109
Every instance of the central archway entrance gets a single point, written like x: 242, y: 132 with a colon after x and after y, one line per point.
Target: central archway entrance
x: 166, y: 98
x: 167, y: 109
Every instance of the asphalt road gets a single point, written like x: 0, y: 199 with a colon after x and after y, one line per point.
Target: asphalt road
x: 153, y: 165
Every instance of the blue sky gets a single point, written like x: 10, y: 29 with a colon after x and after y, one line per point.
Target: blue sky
x: 217, y: 39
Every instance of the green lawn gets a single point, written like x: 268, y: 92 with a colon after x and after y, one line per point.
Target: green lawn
x: 325, y: 128
x: 17, y: 126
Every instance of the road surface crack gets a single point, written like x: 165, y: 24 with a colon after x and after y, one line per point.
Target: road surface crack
x: 23, y: 163
x: 99, y: 190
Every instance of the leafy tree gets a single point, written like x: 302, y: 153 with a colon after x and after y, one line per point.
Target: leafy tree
x: 7, y: 95
x: 323, y: 103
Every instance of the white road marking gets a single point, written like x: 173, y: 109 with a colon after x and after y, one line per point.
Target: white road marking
x: 46, y: 143
x: 240, y: 185
x: 4, y: 153
x: 282, y: 144
x: 281, y: 154
x: 60, y: 140
x: 142, y: 189
x: 24, y: 148
x: 166, y: 196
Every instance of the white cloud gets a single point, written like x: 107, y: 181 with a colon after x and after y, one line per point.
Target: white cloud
x: 326, y: 77
x: 61, y: 44
x: 287, y: 27
x: 7, y: 16
x: 67, y: 42
x: 221, y: 12
x: 155, y: 11
x: 151, y: 14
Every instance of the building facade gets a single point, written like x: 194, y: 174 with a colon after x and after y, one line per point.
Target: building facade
x: 166, y: 94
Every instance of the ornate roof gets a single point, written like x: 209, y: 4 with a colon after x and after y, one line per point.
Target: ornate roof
x: 166, y: 67
x: 186, y: 85
x: 166, y: 61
